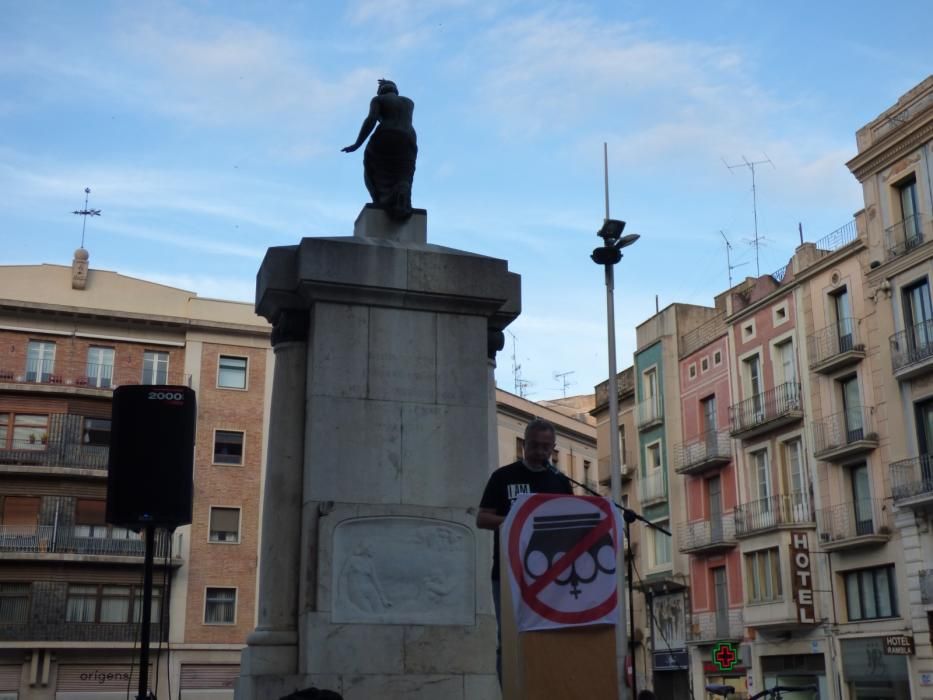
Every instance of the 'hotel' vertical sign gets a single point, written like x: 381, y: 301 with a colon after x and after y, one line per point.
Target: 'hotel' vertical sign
x: 801, y: 577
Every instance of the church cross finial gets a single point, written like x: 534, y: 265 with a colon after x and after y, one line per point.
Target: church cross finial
x: 86, y: 213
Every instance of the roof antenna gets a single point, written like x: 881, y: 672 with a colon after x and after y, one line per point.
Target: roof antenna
x: 86, y: 213
x: 756, y: 241
x: 562, y: 378
x: 729, y: 257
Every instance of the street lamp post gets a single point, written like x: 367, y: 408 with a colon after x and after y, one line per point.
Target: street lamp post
x: 608, y: 255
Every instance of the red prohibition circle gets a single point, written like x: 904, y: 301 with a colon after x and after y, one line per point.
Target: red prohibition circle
x: 535, y: 603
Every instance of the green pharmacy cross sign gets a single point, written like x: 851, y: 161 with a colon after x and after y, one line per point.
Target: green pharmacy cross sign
x: 725, y: 656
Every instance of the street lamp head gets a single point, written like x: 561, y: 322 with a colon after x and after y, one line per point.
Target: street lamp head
x: 626, y: 241
x: 611, y: 230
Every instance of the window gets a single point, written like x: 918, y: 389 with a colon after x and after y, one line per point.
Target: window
x: 717, y: 358
x: 788, y: 365
x: 708, y: 413
x: 40, y: 361
x: 155, y: 367
x: 99, y: 367
x: 861, y: 498
x: 661, y: 546
x: 555, y: 458
x: 14, y: 602
x: 918, y: 316
x: 29, y: 431
x: 519, y: 448
x: 852, y: 409
x: 871, y: 593
x: 907, y: 196
x: 21, y: 514
x: 762, y: 477
x: 763, y: 571
x: 924, y: 416
x: 225, y: 525
x: 844, y: 326
x: 81, y: 605
x: 654, y: 456
x: 90, y: 518
x: 220, y: 606
x: 228, y: 447
x: 109, y: 603
x: 586, y: 465
x: 748, y: 331
x: 96, y: 432
x: 780, y: 315
x: 232, y: 372
x: 753, y: 386
x: 704, y: 364
x: 692, y: 371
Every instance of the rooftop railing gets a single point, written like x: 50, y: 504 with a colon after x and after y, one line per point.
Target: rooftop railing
x: 773, y: 512
x: 842, y: 236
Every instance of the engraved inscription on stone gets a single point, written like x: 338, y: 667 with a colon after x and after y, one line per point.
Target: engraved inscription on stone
x: 403, y: 570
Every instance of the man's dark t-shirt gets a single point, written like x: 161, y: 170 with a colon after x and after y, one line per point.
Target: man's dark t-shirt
x: 508, y: 483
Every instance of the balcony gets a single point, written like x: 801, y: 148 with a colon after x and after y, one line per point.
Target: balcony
x: 844, y: 436
x: 77, y: 632
x: 649, y: 412
x: 51, y: 540
x: 60, y: 444
x: 716, y: 626
x: 626, y: 469
x: 766, y: 411
x: 652, y: 488
x: 773, y: 513
x: 775, y: 615
x: 912, y: 351
x: 836, y: 346
x: 709, y: 451
x: 903, y: 237
x: 862, y: 523
x: 705, y: 537
x: 912, y: 482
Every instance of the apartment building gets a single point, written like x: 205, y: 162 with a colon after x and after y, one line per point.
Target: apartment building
x: 641, y: 663
x: 663, y: 571
x: 894, y: 167
x: 707, y: 532
x: 70, y: 584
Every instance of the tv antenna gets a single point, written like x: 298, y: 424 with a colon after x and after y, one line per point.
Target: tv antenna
x: 86, y: 213
x: 520, y: 386
x: 750, y: 164
x: 562, y: 378
x: 729, y: 257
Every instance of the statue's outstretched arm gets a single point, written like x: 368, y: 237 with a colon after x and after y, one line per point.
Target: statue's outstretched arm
x: 368, y: 125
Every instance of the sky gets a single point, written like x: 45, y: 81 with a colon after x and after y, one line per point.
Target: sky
x: 210, y: 131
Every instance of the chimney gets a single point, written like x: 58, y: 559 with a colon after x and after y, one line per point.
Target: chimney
x: 79, y: 269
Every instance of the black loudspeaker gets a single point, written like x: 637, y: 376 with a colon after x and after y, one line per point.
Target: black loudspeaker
x: 149, y: 479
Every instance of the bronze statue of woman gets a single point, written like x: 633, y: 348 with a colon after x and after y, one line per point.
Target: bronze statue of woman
x: 389, y: 158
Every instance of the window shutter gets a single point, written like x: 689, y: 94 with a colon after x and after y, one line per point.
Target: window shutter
x: 90, y: 512
x: 21, y: 510
x: 225, y: 519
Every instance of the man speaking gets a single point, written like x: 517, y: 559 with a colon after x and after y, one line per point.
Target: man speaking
x: 533, y: 473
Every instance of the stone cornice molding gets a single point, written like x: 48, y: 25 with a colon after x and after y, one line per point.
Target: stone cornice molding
x: 891, y: 148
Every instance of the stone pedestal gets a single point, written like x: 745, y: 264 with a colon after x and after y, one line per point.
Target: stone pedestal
x: 373, y: 580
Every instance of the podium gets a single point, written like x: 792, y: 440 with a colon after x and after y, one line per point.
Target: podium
x: 571, y: 663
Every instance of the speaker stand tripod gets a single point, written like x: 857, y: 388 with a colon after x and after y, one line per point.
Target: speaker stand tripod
x: 147, y: 615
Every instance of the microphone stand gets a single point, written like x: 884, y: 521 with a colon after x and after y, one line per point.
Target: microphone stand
x: 629, y: 516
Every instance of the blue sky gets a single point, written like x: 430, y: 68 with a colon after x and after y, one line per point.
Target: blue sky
x: 209, y: 131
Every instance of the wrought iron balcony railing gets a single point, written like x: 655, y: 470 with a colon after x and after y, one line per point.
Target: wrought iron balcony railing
x: 653, y: 487
x: 837, y: 342
x: 650, y: 411
x: 912, y: 346
x: 49, y: 539
x: 847, y: 523
x: 707, y: 535
x: 713, y: 448
x: 903, y: 236
x: 771, y: 513
x: 61, y: 443
x: 716, y: 625
x: 77, y: 631
x: 912, y: 479
x: 845, y: 433
x: 783, y: 401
